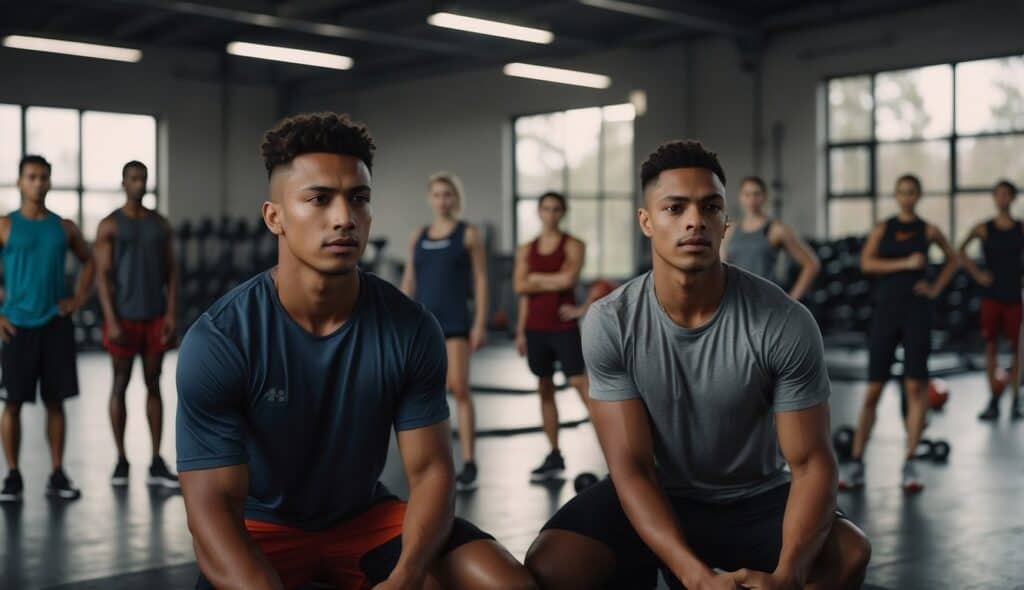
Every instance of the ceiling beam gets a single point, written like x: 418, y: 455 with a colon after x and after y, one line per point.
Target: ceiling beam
x: 141, y: 23
x: 694, y: 19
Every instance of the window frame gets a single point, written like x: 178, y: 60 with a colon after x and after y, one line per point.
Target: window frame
x: 872, y: 144
x: 79, y: 188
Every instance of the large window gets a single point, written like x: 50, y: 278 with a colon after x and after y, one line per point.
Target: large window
x: 959, y: 127
x: 87, y: 150
x: 587, y: 154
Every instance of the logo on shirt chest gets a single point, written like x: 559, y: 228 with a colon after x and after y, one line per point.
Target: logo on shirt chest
x: 903, y: 236
x: 275, y: 395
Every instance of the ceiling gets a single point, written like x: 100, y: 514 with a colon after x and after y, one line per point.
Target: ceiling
x: 390, y: 40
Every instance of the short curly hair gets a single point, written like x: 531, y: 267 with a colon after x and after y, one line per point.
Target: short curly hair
x: 308, y: 133
x: 679, y: 153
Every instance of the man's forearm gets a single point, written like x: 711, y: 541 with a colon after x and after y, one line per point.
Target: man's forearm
x: 428, y: 521
x: 104, y: 291
x: 948, y: 270
x: 654, y: 520
x: 85, y: 279
x: 228, y: 556
x: 172, y: 294
x: 810, y: 512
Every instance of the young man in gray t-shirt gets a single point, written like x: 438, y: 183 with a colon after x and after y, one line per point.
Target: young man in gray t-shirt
x: 706, y: 381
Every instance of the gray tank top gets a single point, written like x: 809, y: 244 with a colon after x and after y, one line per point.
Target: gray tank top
x: 752, y: 251
x: 140, y: 267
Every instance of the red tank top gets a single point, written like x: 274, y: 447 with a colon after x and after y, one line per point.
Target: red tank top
x: 542, y: 314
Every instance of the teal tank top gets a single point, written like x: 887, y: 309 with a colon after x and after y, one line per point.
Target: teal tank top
x: 34, y: 278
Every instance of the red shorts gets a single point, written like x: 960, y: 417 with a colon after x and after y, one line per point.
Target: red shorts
x: 999, y: 316
x: 137, y: 337
x: 331, y: 555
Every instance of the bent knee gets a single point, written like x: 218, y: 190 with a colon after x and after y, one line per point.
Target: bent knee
x: 855, y: 551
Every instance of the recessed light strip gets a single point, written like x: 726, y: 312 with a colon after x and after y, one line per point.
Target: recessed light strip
x: 490, y: 27
x: 72, y: 48
x: 559, y: 75
x: 289, y: 55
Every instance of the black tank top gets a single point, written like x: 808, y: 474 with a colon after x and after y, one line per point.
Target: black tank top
x: 1002, y: 249
x: 899, y: 241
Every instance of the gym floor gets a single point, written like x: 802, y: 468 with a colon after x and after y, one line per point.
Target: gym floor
x: 965, y: 531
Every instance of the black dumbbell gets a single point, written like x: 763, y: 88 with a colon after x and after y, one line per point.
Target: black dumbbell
x: 933, y: 450
x: 842, y: 442
x: 584, y: 481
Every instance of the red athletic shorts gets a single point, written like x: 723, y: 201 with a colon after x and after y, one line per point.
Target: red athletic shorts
x: 137, y: 337
x: 999, y: 316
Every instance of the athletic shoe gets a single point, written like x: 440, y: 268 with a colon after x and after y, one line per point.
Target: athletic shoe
x: 1016, y: 413
x: 120, y: 476
x: 466, y: 480
x: 911, y: 482
x: 159, y: 475
x: 13, y: 487
x: 552, y: 467
x: 851, y: 475
x: 60, y: 487
x: 991, y: 413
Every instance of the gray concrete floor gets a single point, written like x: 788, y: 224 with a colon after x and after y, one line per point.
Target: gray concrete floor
x: 965, y: 531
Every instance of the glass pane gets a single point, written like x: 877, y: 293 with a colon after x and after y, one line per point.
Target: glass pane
x: 983, y: 161
x: 53, y: 134
x: 10, y: 145
x: 527, y: 220
x: 916, y: 103
x: 990, y: 95
x: 618, y: 223
x: 619, y: 172
x: 95, y: 206
x: 849, y: 217
x: 149, y: 201
x: 540, y: 160
x: 582, y: 140
x: 849, y: 109
x: 929, y: 160
x: 63, y: 203
x: 582, y: 223
x: 10, y: 199
x: 109, y: 140
x: 971, y: 209
x: 848, y: 170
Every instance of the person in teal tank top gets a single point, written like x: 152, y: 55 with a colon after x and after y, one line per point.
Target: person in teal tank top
x: 35, y: 322
x: 137, y: 282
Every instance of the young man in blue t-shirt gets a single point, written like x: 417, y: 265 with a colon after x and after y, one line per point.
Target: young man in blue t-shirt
x: 289, y: 386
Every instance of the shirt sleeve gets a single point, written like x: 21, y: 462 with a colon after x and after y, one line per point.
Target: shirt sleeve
x: 423, y: 400
x: 602, y: 352
x: 796, y: 356
x: 212, y: 380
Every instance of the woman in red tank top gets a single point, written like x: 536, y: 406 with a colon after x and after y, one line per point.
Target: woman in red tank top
x: 546, y: 273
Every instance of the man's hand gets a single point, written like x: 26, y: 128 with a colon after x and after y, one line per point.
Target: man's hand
x: 168, y: 330
x: 114, y: 333
x: 402, y: 580
x: 477, y: 337
x: 7, y: 329
x: 719, y: 581
x: 915, y: 261
x: 925, y: 289
x: 521, y: 343
x: 69, y: 306
x: 756, y: 580
x: 985, y: 278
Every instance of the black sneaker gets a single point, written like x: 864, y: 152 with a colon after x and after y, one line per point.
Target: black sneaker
x: 159, y: 475
x: 61, y: 487
x: 120, y: 476
x: 13, y: 487
x: 1016, y: 413
x: 466, y: 480
x: 991, y: 413
x: 552, y: 467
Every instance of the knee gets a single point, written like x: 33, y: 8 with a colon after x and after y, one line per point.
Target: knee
x: 12, y: 409
x: 856, y: 555
x: 516, y: 578
x: 460, y: 390
x: 580, y: 382
x: 153, y: 384
x: 55, y: 408
x: 544, y: 564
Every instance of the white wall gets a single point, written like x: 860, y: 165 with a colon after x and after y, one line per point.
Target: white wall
x: 695, y: 89
x: 205, y: 171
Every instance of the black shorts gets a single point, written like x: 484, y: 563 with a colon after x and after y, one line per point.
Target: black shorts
x: 909, y: 324
x: 43, y: 357
x: 544, y: 348
x: 744, y: 534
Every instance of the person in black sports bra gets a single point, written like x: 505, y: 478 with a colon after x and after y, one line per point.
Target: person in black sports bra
x: 896, y: 252
x: 1002, y: 242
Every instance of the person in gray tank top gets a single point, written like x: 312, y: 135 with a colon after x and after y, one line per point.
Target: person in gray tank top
x: 137, y: 283
x: 754, y: 243
x: 706, y: 381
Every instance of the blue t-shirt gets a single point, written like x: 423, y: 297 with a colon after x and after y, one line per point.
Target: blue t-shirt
x: 312, y: 416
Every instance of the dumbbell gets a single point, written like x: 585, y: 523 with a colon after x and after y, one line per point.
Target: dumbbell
x: 842, y: 442
x: 583, y: 481
x: 933, y: 450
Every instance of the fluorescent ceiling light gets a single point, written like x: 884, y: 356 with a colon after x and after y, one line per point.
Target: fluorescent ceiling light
x: 289, y: 55
x: 559, y: 75
x: 490, y: 27
x: 72, y: 48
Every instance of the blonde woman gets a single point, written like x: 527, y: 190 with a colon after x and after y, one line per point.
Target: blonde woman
x: 446, y: 267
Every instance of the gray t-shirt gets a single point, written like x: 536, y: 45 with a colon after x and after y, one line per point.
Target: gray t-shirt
x: 711, y: 392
